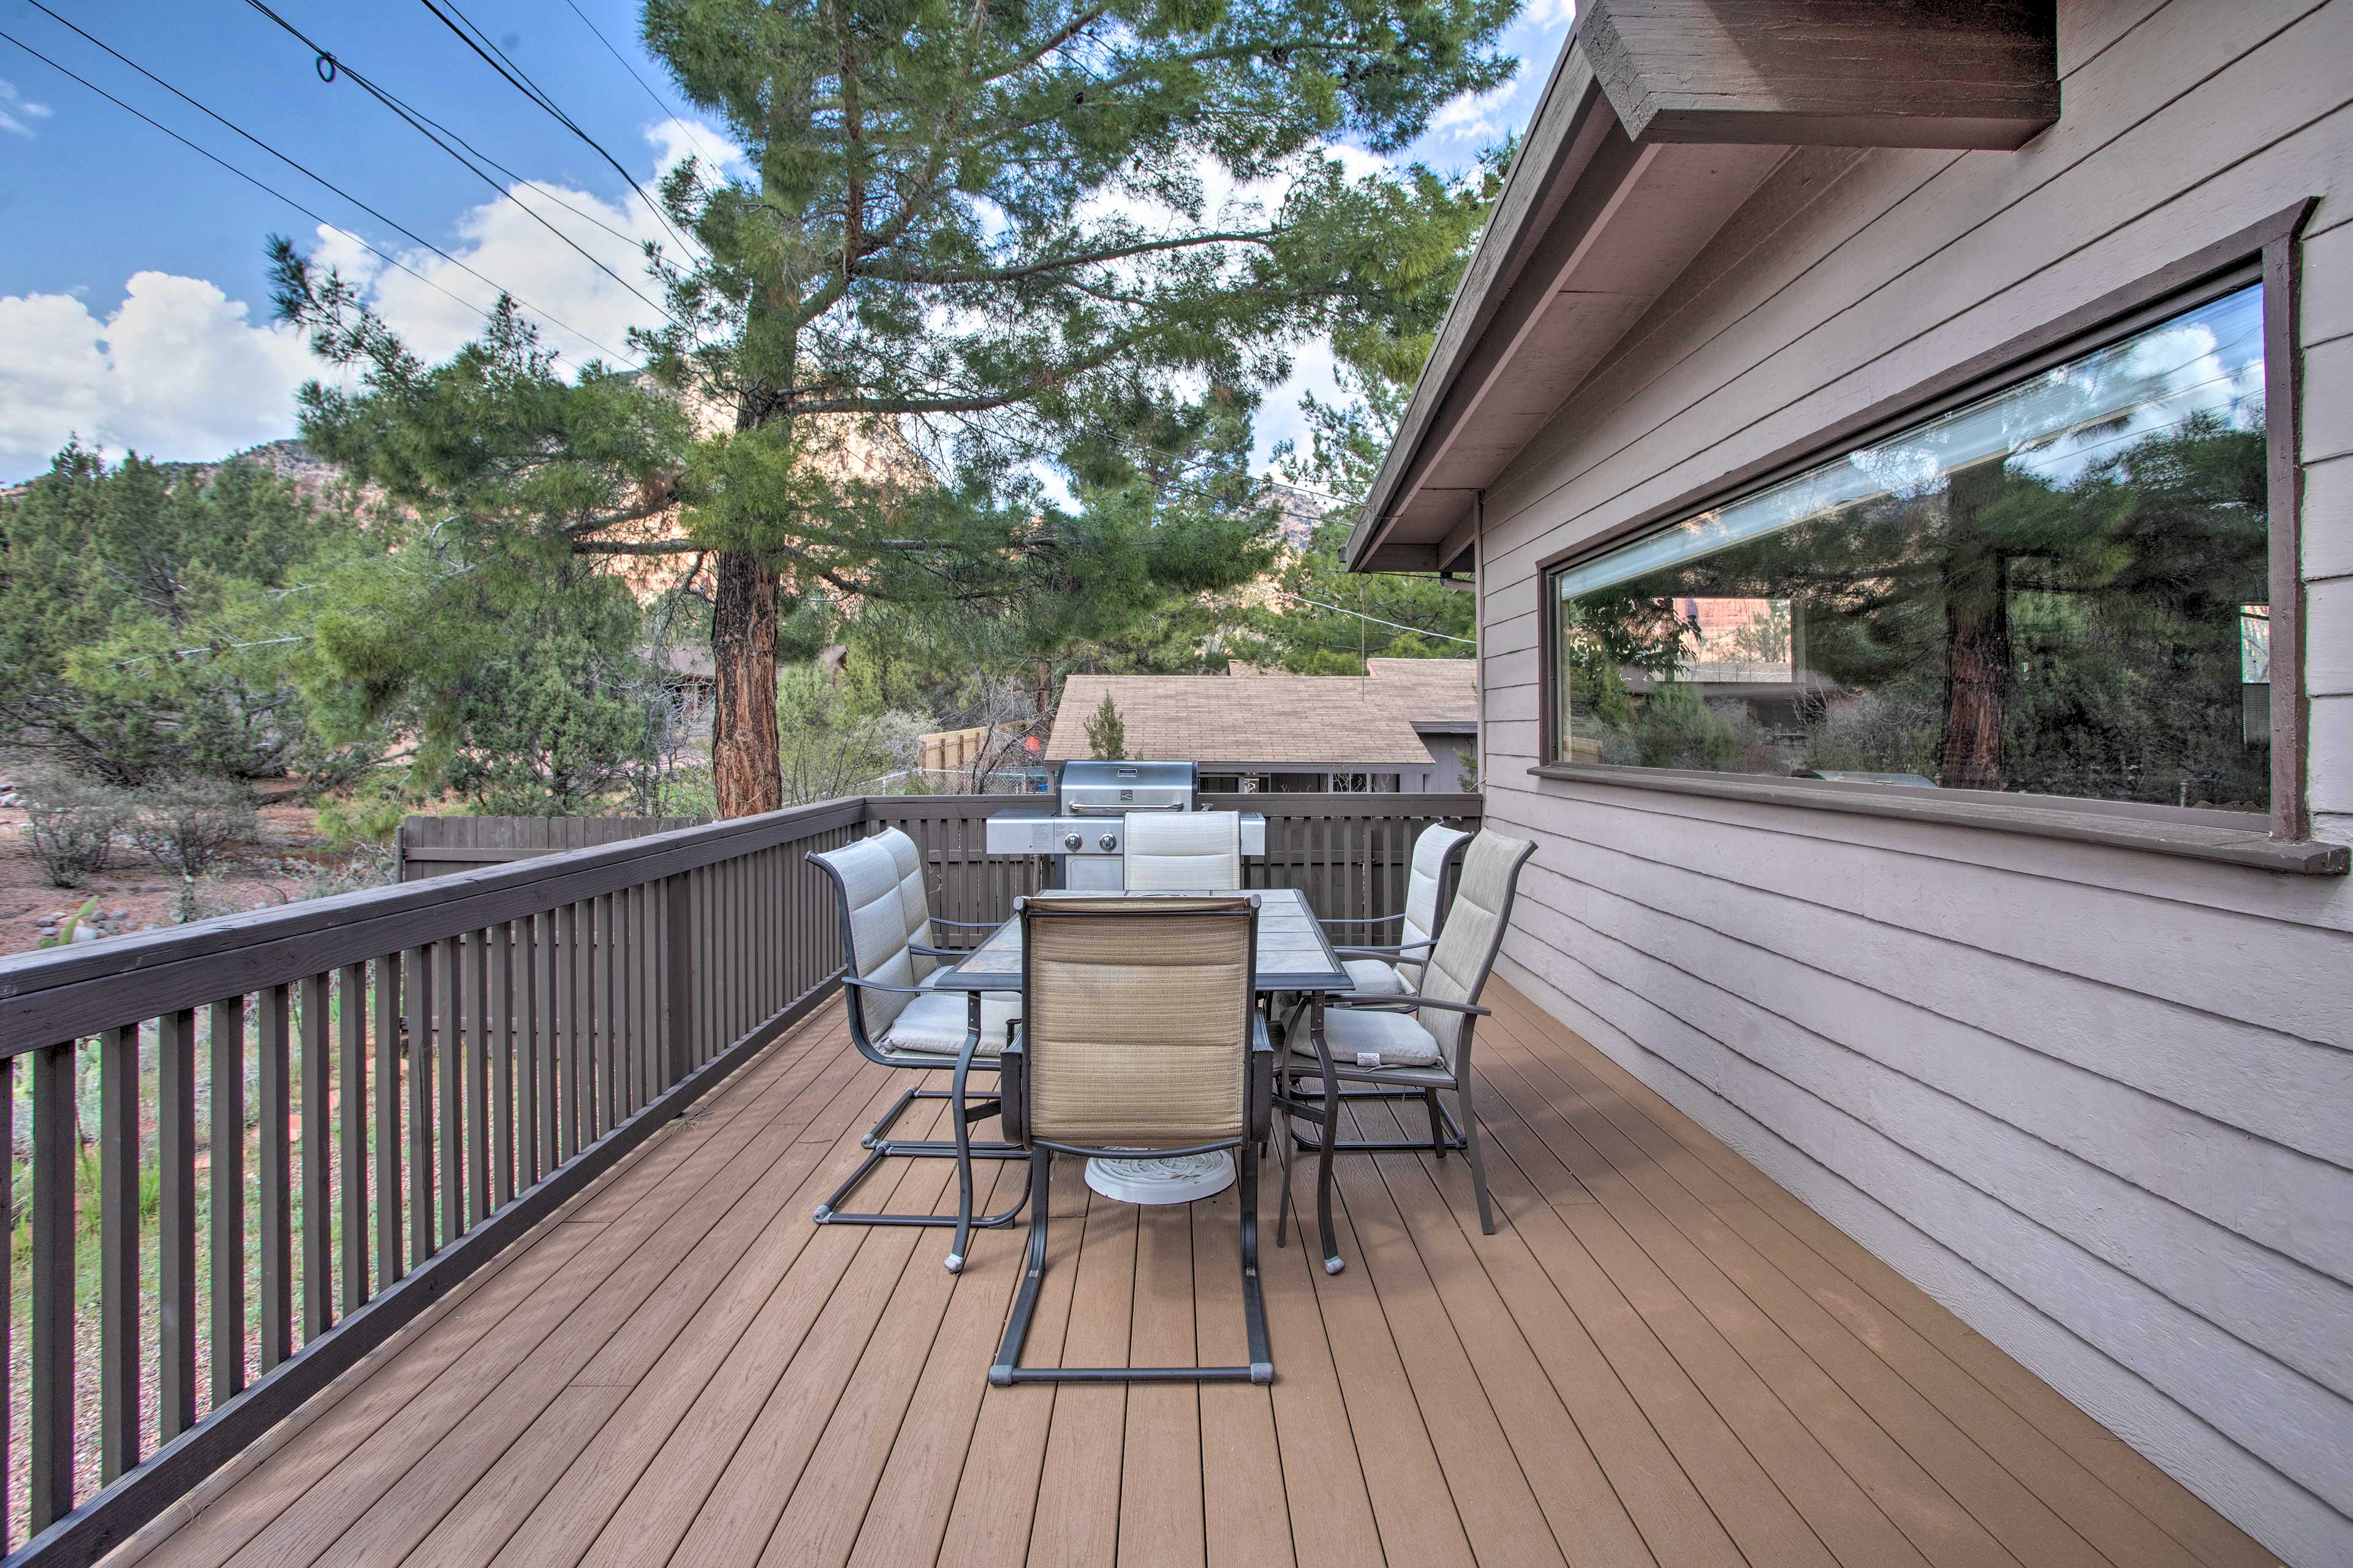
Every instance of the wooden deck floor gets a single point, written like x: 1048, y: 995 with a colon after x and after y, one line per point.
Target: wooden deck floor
x: 1662, y: 1358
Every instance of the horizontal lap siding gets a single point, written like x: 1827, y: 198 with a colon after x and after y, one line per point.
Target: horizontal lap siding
x: 2095, y: 1100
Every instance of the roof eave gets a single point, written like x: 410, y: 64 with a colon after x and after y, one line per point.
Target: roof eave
x: 1541, y: 168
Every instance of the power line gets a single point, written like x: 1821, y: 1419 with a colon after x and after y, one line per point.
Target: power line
x: 290, y: 201
x: 659, y: 102
x: 521, y: 81
x: 417, y: 123
x: 1401, y: 626
x: 308, y: 174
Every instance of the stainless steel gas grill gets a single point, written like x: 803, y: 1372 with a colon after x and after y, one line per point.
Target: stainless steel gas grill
x: 1084, y: 832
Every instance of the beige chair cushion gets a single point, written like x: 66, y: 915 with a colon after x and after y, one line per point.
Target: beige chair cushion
x: 1374, y: 977
x: 1423, y: 882
x: 1137, y: 1020
x: 1475, y: 929
x: 1367, y: 1039
x: 883, y: 879
x: 934, y: 1024
x: 1184, y: 852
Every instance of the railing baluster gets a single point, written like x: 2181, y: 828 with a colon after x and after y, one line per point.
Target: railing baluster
x: 473, y: 958
x: 449, y: 955
x: 352, y: 1103
x: 502, y: 1063
x: 608, y: 1019
x: 584, y: 1022
x: 567, y: 1028
x: 117, y: 1246
x: 417, y: 1019
x: 318, y: 1219
x: 225, y: 1156
x: 678, y: 1022
x: 175, y: 1223
x: 51, y: 1406
x: 539, y: 1063
x: 388, y: 1264
x: 276, y: 1094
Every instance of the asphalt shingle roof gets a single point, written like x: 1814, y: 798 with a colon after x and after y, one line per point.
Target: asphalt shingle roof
x: 1270, y: 719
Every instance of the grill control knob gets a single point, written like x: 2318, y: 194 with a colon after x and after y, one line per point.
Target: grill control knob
x: 1072, y: 841
x: 1108, y: 842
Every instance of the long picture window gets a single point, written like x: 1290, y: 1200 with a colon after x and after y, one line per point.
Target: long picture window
x: 2061, y: 589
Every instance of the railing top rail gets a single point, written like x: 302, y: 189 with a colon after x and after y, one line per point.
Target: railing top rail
x: 66, y: 993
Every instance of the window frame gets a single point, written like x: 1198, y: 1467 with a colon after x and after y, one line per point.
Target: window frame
x: 2265, y: 252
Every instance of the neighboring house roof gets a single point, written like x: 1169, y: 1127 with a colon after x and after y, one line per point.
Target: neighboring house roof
x: 1439, y: 695
x: 1271, y: 720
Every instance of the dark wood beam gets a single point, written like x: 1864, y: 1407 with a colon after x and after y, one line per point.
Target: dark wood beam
x: 1853, y: 73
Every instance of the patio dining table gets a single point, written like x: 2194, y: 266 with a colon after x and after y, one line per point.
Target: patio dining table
x: 1293, y: 954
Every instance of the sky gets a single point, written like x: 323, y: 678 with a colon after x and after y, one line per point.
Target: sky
x: 134, y: 295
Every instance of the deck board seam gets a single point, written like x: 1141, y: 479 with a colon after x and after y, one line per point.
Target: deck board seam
x: 659, y: 1233
x: 1387, y: 1167
x: 1994, y: 1453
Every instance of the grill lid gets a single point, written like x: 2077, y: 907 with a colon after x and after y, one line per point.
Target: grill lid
x: 1097, y: 788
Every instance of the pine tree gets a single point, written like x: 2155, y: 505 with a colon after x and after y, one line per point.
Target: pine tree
x: 989, y: 230
x: 1106, y: 732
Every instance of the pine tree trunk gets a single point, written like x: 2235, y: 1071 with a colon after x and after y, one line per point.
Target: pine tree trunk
x: 746, y: 771
x: 1976, y: 640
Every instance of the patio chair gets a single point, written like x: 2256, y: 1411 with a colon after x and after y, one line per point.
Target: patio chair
x: 898, y: 1020
x: 1184, y: 851
x: 1138, y: 1032
x: 1396, y: 969
x: 1417, y: 1043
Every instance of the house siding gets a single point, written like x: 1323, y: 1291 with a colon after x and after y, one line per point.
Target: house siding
x: 2098, y: 1101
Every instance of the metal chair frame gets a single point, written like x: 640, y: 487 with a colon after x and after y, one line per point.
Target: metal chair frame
x: 1448, y: 1131
x: 960, y: 1146
x: 1258, y: 1123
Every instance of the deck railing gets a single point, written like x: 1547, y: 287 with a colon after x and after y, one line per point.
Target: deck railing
x: 310, y: 1123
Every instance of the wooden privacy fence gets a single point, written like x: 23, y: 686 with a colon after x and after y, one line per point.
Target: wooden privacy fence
x: 416, y: 1074
x: 310, y: 1123
x: 437, y: 845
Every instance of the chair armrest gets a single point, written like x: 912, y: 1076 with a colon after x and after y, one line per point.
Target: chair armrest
x: 1012, y: 1104
x: 1366, y: 921
x: 968, y: 925
x: 878, y: 985
x: 1399, y: 951
x: 1408, y: 1002
x: 956, y: 952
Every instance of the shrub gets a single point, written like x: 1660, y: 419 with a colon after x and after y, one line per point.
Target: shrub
x: 71, y: 821
x: 201, y: 898
x: 363, y: 866
x: 369, y: 814
x: 189, y: 821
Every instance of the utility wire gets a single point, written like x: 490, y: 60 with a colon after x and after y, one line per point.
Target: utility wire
x: 417, y: 124
x: 311, y: 175
x: 521, y: 81
x: 298, y: 207
x: 659, y: 102
x: 1343, y: 610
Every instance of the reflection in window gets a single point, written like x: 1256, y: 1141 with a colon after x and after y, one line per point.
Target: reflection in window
x: 2060, y: 589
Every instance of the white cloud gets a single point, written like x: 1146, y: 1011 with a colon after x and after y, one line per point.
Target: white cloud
x: 437, y: 304
x: 1482, y: 117
x: 16, y: 111
x: 1550, y: 14
x: 176, y: 370
x: 675, y: 141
